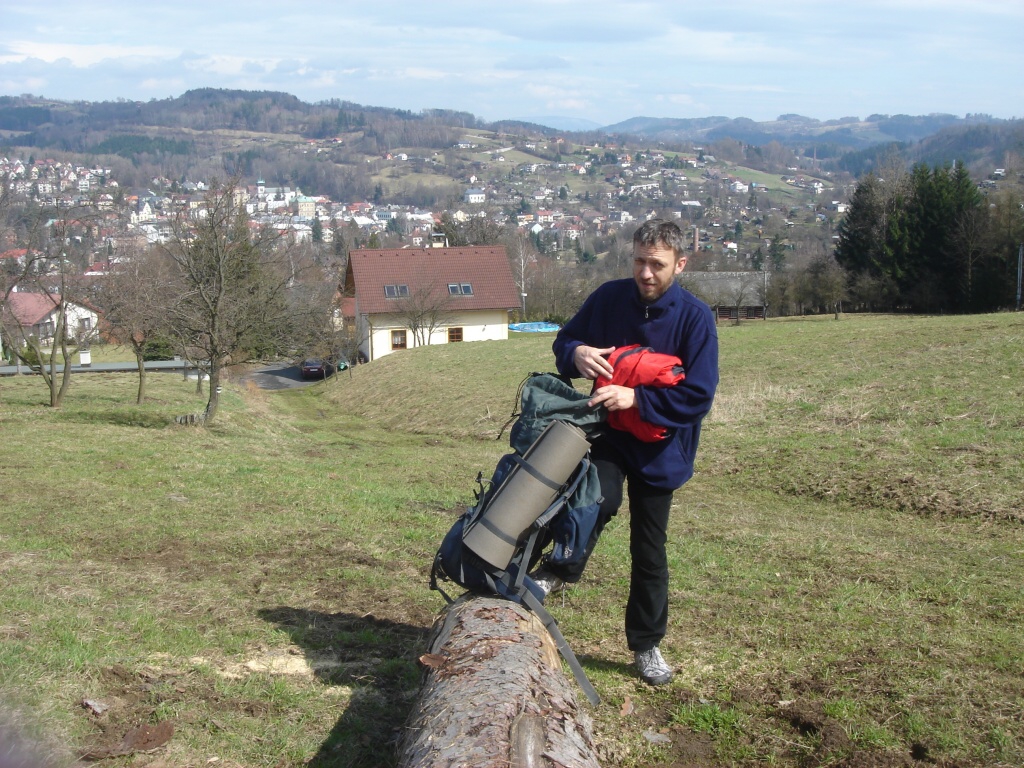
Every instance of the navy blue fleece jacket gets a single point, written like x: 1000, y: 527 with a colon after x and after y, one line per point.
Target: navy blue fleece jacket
x: 676, y: 324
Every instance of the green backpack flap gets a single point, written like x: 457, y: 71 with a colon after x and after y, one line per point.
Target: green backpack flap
x: 546, y: 397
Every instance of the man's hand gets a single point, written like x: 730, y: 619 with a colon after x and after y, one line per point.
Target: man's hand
x: 592, y: 363
x: 613, y: 397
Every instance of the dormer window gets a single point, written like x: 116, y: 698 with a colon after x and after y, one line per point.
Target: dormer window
x: 460, y: 289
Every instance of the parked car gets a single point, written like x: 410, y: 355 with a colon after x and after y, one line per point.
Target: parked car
x: 315, y: 368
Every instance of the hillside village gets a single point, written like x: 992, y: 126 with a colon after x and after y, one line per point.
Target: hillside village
x: 533, y: 197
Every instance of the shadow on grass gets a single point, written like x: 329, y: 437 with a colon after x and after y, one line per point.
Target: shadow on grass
x: 598, y: 664
x: 123, y: 416
x: 376, y: 659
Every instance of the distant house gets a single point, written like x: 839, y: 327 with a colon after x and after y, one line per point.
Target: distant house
x: 474, y: 196
x: 307, y: 206
x: 731, y: 295
x: 17, y: 257
x: 36, y: 315
x: 408, y: 297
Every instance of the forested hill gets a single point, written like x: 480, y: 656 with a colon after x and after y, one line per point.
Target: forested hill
x: 212, y: 132
x: 75, y: 126
x: 67, y: 125
x: 847, y: 132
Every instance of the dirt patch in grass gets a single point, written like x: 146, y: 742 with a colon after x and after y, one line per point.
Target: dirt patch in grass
x: 359, y: 671
x: 795, y: 731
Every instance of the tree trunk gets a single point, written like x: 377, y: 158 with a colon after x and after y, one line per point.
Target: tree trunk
x: 65, y: 378
x: 212, y: 404
x: 495, y: 695
x: 141, y: 361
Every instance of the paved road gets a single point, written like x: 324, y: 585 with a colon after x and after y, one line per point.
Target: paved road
x: 277, y: 376
x: 129, y: 367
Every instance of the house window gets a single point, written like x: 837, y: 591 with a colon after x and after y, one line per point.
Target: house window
x: 460, y: 289
x: 467, y: 289
x: 398, y: 339
x: 396, y: 291
x: 454, y: 334
x: 85, y: 324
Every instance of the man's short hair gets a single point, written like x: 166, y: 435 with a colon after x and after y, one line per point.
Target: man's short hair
x: 660, y: 232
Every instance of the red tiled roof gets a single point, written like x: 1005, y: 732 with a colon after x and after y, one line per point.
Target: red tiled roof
x: 14, y: 253
x: 31, y: 308
x: 486, y: 268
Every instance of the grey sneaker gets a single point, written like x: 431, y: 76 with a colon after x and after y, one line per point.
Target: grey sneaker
x: 547, y: 582
x: 652, y: 667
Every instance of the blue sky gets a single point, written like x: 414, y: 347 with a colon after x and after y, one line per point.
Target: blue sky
x: 599, y: 61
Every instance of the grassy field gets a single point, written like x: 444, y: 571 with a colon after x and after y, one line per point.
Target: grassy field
x: 847, y: 562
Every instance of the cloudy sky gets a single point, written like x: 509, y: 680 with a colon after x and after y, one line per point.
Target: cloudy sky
x: 596, y: 60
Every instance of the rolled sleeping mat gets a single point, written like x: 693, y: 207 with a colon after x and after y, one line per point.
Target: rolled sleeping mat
x: 526, y: 493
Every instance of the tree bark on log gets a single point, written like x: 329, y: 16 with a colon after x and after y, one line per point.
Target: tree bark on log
x: 495, y: 695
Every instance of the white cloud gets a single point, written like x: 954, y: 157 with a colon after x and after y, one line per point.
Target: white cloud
x: 526, y: 63
x: 79, y: 55
x: 25, y: 85
x: 229, y: 65
x: 164, y: 85
x: 677, y: 99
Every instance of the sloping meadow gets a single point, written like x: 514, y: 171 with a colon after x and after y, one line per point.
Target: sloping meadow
x: 846, y: 562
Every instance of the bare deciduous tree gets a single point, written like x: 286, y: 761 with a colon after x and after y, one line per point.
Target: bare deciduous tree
x: 426, y: 309
x: 136, y: 302
x: 231, y: 287
x: 522, y: 256
x: 826, y: 283
x: 48, y: 273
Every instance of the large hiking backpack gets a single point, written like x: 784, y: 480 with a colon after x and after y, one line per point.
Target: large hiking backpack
x: 544, y: 493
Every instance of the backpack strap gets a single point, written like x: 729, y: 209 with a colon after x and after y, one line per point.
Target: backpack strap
x: 535, y: 473
x: 538, y: 608
x: 516, y: 405
x: 515, y: 585
x: 437, y: 570
x: 563, y: 498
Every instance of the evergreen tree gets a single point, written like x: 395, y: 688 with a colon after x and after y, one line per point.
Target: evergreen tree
x: 859, y: 248
x: 777, y: 254
x: 967, y: 252
x: 923, y: 237
x: 757, y: 260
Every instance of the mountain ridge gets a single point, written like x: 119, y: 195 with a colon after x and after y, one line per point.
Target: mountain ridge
x: 24, y: 114
x: 198, y: 120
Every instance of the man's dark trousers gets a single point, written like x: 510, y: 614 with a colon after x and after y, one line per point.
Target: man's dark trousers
x: 647, y: 607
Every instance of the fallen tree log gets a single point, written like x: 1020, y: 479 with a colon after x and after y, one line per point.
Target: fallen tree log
x: 495, y: 695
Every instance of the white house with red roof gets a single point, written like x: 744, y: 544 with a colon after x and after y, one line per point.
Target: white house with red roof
x: 408, y: 297
x: 19, y: 257
x: 36, y: 315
